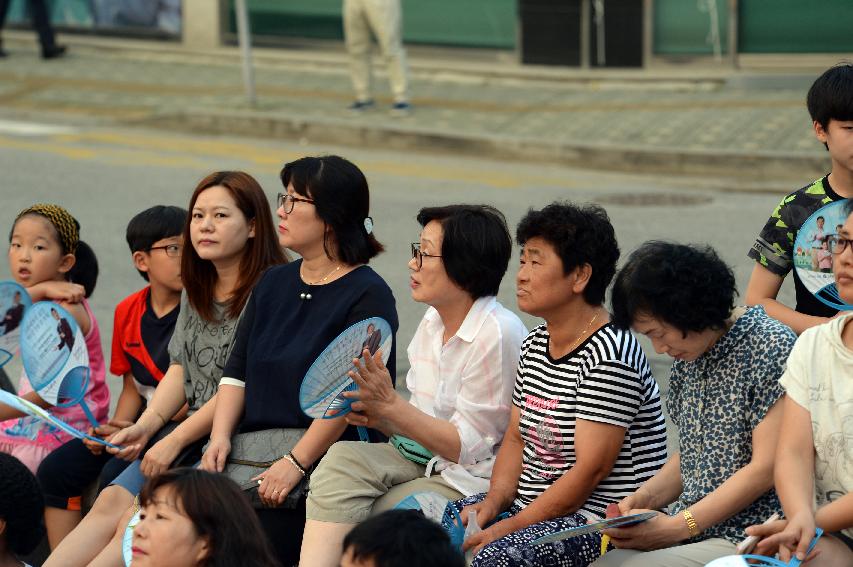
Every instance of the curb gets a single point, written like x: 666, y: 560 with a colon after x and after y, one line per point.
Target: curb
x: 755, y: 171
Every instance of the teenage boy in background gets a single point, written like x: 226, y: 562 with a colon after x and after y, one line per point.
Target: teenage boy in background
x: 143, y: 325
x: 830, y: 104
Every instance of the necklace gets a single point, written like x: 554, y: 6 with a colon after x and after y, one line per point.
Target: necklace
x: 306, y: 295
x: 588, y: 325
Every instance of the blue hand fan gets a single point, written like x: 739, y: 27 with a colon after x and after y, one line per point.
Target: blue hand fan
x: 320, y: 395
x: 812, y: 260
x: 760, y: 560
x: 55, y: 356
x: 438, y: 509
x: 14, y: 302
x: 29, y: 408
x: 127, y: 539
x: 617, y: 522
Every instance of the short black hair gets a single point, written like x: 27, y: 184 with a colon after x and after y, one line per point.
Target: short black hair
x: 848, y: 207
x: 580, y: 234
x: 153, y: 224
x: 21, y: 506
x: 476, y: 245
x: 402, y: 538
x: 342, y: 199
x: 688, y: 287
x: 831, y: 95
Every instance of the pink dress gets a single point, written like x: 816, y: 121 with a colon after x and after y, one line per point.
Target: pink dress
x: 30, y: 439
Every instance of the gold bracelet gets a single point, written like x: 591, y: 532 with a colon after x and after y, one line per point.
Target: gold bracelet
x: 692, y: 528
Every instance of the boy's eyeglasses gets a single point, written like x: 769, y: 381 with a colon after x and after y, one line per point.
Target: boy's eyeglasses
x: 171, y: 250
x: 419, y: 256
x: 836, y: 244
x: 285, y: 201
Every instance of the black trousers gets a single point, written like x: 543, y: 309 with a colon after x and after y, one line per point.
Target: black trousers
x: 69, y: 470
x: 41, y: 21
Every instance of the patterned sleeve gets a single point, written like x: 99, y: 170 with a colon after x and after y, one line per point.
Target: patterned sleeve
x: 673, y: 398
x: 610, y: 392
x: 774, y: 247
x: 767, y: 389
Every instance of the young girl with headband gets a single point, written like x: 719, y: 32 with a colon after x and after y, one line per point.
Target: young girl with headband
x: 47, y: 257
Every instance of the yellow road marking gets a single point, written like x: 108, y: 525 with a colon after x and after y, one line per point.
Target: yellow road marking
x: 203, y: 154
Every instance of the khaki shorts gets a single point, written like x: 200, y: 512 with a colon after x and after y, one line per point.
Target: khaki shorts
x: 355, y: 480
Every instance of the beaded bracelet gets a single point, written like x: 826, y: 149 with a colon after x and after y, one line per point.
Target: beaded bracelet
x: 292, y: 460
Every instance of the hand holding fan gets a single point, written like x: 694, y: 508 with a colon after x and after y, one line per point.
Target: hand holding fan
x: 55, y: 356
x: 617, y: 522
x: 760, y: 560
x: 14, y: 303
x: 29, y: 408
x: 320, y: 395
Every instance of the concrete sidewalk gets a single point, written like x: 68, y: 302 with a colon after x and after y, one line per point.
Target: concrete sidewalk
x: 749, y: 128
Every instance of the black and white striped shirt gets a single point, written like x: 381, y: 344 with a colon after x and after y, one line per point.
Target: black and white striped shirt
x: 606, y: 379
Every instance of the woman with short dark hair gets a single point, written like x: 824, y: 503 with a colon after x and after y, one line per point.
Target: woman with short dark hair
x: 586, y: 427
x: 294, y: 313
x: 463, y: 360
x: 723, y: 399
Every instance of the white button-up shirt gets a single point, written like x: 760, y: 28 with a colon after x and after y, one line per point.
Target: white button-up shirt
x: 468, y: 381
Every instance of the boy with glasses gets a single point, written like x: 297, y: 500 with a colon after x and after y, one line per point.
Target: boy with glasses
x: 143, y: 326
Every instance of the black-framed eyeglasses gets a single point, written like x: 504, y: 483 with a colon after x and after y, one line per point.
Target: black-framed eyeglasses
x: 419, y: 256
x: 836, y: 244
x: 171, y: 250
x: 285, y: 201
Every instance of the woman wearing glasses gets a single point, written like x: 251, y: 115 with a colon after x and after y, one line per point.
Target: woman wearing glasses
x: 814, y: 464
x: 295, y: 311
x: 463, y: 360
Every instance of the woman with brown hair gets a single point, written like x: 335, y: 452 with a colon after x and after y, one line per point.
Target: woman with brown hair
x: 232, y: 243
x: 192, y: 518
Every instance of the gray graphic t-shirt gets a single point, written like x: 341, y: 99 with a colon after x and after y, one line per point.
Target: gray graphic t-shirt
x: 201, y: 348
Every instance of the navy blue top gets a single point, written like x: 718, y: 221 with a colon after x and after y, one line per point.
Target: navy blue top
x: 280, y: 335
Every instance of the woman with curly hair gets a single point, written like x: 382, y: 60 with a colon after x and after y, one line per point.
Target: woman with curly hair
x: 586, y: 427
x: 21, y: 508
x: 724, y: 400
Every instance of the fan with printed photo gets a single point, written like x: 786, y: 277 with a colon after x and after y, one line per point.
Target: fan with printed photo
x: 320, y: 395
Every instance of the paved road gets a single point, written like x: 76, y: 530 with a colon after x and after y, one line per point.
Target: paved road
x: 746, y: 127
x: 104, y: 176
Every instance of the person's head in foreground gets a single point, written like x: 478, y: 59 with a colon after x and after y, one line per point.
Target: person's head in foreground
x: 680, y: 296
x: 21, y: 508
x: 399, y: 538
x: 190, y: 517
